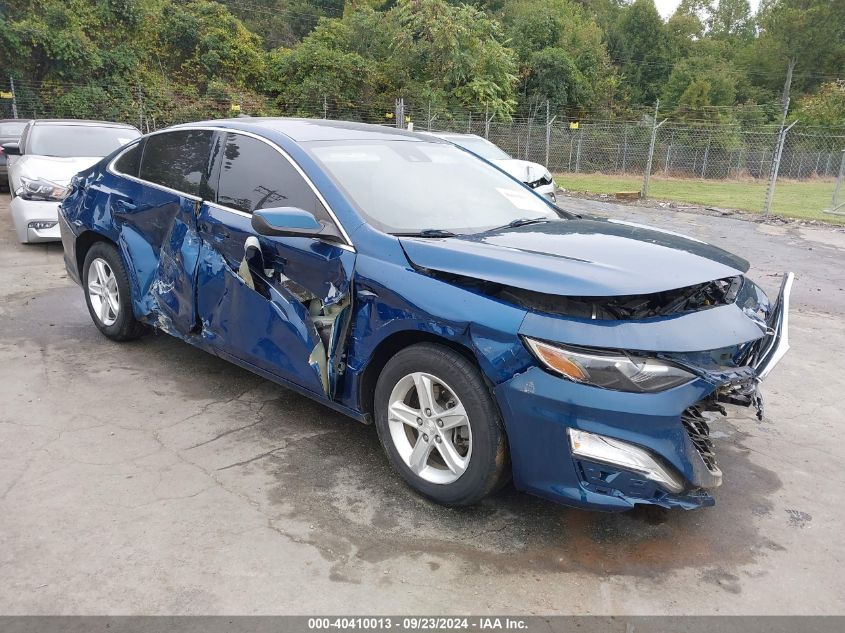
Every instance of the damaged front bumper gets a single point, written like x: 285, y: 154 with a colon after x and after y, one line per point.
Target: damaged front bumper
x: 668, y: 432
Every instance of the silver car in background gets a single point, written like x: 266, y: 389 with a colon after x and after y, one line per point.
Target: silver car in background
x: 50, y: 152
x: 10, y: 132
x: 532, y: 174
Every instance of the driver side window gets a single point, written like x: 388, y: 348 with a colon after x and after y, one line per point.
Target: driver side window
x: 253, y: 175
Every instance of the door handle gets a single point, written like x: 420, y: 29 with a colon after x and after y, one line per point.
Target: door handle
x: 124, y: 204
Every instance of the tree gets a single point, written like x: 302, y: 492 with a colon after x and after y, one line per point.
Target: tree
x: 639, y: 42
x: 730, y: 19
x: 561, y: 52
x: 825, y: 107
x: 460, y: 51
x: 807, y: 33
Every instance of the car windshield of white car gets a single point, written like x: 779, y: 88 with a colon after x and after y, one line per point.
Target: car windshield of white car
x: 479, y: 146
x: 407, y: 187
x: 77, y: 140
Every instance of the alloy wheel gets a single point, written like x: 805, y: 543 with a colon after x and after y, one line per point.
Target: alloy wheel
x: 430, y: 428
x: 103, y: 292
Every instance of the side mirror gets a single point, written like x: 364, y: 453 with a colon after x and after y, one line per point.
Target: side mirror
x: 11, y: 149
x: 292, y: 222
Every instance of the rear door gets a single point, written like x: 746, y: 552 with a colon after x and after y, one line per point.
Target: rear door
x: 286, y: 308
x: 157, y: 211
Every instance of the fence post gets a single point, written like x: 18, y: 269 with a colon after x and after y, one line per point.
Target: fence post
x: 837, y: 190
x: 578, y: 151
x: 140, y: 107
x: 548, y: 132
x: 654, y: 127
x: 624, y: 147
x: 399, y: 113
x: 14, y: 98
x: 487, y: 121
x: 773, y: 178
x: 706, y: 152
x: 528, y: 136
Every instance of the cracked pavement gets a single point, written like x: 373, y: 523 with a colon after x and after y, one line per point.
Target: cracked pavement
x: 153, y: 478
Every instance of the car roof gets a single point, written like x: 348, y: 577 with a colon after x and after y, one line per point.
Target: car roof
x: 81, y: 122
x: 448, y: 135
x: 304, y: 130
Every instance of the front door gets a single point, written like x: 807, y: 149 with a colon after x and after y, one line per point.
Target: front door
x: 283, y: 306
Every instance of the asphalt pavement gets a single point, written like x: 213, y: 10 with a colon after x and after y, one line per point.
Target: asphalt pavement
x: 153, y: 478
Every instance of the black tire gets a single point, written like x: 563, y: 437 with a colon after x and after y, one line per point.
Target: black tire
x: 125, y: 326
x: 489, y: 463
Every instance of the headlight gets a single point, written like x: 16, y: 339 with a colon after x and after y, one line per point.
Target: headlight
x: 40, y: 189
x: 610, y: 370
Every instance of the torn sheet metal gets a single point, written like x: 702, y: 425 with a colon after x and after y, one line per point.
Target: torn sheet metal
x: 275, y: 334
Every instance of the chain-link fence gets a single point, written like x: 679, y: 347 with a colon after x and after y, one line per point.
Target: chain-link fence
x: 720, y: 165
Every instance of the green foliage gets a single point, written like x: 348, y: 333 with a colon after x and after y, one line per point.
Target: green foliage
x: 174, y: 60
x: 825, y: 107
x: 640, y: 43
x: 561, y: 51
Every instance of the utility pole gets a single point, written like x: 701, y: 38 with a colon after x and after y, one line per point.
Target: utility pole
x: 654, y: 127
x: 773, y: 176
x: 14, y: 98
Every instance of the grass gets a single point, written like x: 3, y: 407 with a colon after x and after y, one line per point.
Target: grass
x: 805, y: 199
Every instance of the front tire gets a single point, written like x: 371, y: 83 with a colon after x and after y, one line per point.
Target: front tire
x: 107, y: 293
x: 439, y: 425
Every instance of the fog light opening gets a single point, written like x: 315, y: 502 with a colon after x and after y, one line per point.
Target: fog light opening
x: 607, y: 450
x: 42, y: 225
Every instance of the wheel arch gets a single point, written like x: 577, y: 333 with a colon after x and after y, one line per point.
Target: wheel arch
x: 390, y: 346
x: 84, y: 242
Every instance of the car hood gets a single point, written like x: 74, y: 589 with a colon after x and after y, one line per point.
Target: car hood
x: 589, y: 257
x: 53, y: 168
x: 524, y: 170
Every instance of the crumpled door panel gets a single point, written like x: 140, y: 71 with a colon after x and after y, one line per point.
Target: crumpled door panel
x: 163, y: 246
x: 285, y: 309
x: 260, y: 326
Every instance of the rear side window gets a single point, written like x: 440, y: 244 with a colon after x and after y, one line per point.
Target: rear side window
x: 253, y: 175
x: 178, y: 160
x: 130, y: 162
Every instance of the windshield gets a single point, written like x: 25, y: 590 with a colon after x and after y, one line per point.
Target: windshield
x: 479, y: 146
x: 77, y: 140
x: 12, y: 128
x: 408, y: 187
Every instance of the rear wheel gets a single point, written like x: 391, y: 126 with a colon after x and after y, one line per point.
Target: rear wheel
x: 107, y: 293
x: 439, y: 425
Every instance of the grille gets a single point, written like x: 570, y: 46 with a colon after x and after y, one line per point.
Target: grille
x: 699, y: 432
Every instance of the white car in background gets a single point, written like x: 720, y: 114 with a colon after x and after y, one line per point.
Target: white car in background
x: 532, y: 174
x: 50, y: 152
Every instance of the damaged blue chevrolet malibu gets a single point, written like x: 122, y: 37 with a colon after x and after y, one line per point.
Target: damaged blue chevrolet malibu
x: 400, y: 280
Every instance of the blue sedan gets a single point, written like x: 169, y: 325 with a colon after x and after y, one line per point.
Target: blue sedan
x: 405, y: 282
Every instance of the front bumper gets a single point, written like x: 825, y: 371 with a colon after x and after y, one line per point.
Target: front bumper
x: 27, y: 212
x: 547, y: 191
x: 672, y: 426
